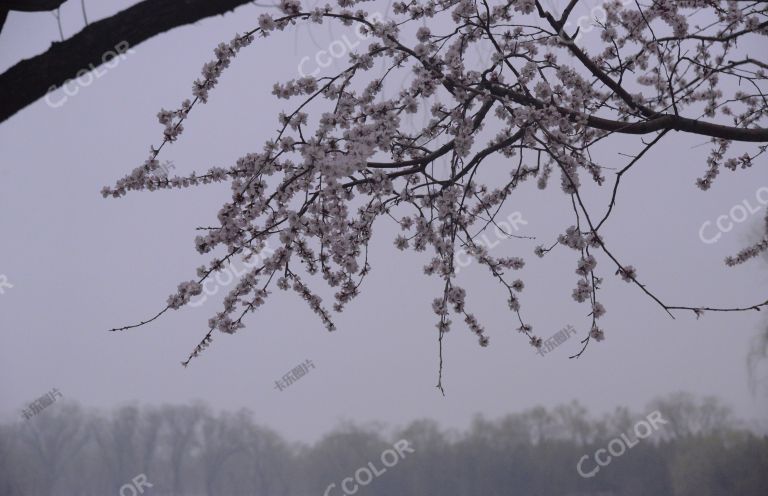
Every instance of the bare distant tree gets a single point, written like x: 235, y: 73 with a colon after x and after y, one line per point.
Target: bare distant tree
x: 221, y: 439
x: 181, y: 428
x: 117, y: 438
x: 56, y: 438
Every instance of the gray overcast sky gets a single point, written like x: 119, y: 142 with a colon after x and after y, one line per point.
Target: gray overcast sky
x: 80, y: 264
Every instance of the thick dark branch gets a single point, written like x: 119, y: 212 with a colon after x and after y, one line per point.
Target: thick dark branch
x: 32, y: 78
x: 670, y: 122
x: 31, y: 5
x: 676, y: 123
x: 660, y: 123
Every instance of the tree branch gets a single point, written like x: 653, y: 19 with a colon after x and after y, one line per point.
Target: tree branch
x: 32, y: 78
x: 31, y: 5
x: 660, y: 123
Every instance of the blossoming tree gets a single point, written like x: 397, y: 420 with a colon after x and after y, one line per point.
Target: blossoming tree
x: 341, y: 158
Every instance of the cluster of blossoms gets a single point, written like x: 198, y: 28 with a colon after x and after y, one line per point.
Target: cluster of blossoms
x: 185, y: 293
x: 319, y: 185
x: 751, y: 251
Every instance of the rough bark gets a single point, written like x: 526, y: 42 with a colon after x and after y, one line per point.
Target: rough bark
x: 32, y: 78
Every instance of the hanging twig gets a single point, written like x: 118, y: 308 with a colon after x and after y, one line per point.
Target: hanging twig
x: 57, y: 15
x: 85, y: 16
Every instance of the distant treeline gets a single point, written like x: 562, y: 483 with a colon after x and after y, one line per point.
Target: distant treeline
x: 188, y: 451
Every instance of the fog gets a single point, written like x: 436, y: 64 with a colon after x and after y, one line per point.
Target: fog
x: 77, y: 264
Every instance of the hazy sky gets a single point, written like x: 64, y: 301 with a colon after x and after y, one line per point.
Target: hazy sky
x: 80, y: 264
